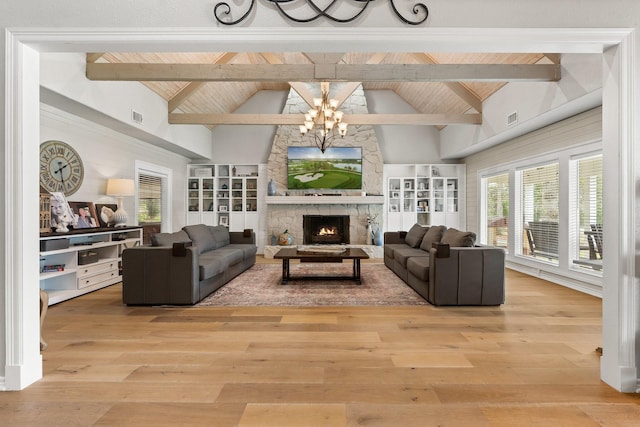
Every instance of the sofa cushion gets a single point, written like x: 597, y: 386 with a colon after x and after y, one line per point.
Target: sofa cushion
x: 212, y: 264
x: 454, y: 237
x: 415, y: 235
x: 433, y: 235
x: 168, y: 239
x: 390, y: 248
x: 201, y: 237
x: 220, y: 235
x: 419, y: 267
x: 249, y: 251
x: 402, y: 255
x: 233, y: 256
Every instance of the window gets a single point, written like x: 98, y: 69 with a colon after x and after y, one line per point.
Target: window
x: 539, y: 211
x: 496, y: 210
x: 153, y: 196
x: 586, y: 224
x: 149, y: 199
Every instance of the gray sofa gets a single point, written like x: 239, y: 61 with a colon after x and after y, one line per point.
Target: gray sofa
x: 445, y: 266
x: 185, y: 266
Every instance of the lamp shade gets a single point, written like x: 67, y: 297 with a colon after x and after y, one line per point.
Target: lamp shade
x: 120, y: 187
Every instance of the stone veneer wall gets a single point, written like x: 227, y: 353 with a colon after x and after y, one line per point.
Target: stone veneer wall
x: 289, y: 217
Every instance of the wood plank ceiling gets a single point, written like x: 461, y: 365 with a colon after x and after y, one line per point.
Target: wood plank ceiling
x: 443, y: 88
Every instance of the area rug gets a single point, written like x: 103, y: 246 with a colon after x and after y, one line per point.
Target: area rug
x: 260, y: 286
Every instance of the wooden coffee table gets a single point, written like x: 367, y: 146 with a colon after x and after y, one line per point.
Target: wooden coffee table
x: 287, y: 254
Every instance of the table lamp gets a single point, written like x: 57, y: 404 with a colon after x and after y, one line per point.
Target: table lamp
x: 119, y: 188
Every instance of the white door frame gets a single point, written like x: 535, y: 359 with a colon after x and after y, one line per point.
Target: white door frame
x: 23, y: 364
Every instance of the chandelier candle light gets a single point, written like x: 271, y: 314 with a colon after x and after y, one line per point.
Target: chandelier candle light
x: 323, y: 121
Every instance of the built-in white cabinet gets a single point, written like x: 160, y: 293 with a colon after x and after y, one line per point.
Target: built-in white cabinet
x: 226, y: 194
x: 82, y: 261
x: 427, y: 194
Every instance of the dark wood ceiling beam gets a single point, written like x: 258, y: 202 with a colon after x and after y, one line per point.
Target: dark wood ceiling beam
x: 351, y: 119
x: 325, y: 72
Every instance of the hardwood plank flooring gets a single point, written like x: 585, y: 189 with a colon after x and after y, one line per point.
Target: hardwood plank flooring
x: 530, y: 362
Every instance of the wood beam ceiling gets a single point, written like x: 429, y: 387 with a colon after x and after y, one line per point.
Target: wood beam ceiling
x: 352, y: 119
x: 325, y: 72
x: 325, y: 68
x: 191, y: 88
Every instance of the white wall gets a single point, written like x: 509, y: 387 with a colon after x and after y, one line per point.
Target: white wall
x: 537, y: 104
x: 249, y: 144
x: 109, y: 154
x: 402, y: 144
x: 64, y: 84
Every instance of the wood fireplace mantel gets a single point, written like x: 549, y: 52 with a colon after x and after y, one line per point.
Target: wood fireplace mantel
x: 325, y: 200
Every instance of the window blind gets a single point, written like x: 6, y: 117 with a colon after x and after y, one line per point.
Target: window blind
x: 539, y: 209
x: 588, y: 187
x: 497, y: 209
x: 149, y: 199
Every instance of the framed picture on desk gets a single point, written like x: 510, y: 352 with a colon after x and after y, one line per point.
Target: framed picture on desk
x: 84, y: 214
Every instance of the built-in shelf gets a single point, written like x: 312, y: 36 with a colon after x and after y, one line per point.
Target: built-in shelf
x: 75, y: 278
x: 325, y: 200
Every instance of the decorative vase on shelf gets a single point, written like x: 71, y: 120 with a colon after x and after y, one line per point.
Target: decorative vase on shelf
x: 271, y: 188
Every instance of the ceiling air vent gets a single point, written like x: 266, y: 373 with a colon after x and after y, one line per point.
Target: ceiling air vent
x: 512, y: 118
x: 136, y: 117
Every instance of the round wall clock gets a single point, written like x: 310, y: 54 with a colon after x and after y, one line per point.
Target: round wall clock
x: 61, y: 168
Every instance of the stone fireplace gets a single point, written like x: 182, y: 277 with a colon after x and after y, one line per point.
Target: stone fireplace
x: 325, y: 229
x: 289, y: 216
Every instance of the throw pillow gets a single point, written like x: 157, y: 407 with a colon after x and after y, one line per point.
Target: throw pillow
x: 201, y: 236
x: 433, y: 235
x: 415, y: 235
x: 168, y: 239
x: 459, y: 238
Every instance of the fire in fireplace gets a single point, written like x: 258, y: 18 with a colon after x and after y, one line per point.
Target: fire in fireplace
x: 325, y: 229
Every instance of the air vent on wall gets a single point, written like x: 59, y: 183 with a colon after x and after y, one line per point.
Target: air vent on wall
x: 512, y: 118
x: 136, y: 117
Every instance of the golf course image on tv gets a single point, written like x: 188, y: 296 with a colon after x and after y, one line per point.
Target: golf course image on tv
x: 339, y: 168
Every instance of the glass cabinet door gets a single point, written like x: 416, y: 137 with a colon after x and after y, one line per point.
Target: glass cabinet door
x: 408, y: 195
x: 208, y: 193
x: 193, y: 199
x: 251, y: 200
x: 237, y: 195
x: 452, y: 195
x: 438, y: 194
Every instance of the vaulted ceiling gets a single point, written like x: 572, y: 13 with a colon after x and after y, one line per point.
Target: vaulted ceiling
x: 206, y: 88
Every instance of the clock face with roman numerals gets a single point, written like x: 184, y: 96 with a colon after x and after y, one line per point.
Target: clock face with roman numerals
x: 61, y: 168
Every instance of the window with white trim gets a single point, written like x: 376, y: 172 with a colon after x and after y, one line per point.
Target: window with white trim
x: 153, y: 199
x: 538, y: 211
x: 585, y: 228
x: 496, y: 210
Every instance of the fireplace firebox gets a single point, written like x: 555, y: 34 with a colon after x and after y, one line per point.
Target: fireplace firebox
x: 325, y: 229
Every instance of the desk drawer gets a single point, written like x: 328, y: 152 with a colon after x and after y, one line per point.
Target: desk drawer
x: 85, y: 281
x: 90, y: 270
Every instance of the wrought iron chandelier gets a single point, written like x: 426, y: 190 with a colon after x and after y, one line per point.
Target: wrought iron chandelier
x: 312, y: 10
x: 323, y: 123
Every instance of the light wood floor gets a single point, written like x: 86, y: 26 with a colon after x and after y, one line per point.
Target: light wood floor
x: 531, y: 362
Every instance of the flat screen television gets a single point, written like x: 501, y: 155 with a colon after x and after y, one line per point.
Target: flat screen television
x: 339, y: 168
